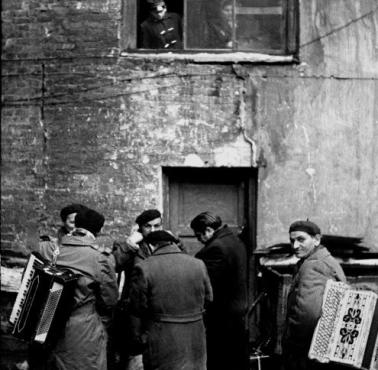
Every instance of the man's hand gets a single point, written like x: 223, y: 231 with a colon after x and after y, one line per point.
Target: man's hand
x: 135, y: 237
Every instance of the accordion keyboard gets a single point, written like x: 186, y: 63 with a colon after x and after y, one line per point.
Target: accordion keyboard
x: 25, y: 284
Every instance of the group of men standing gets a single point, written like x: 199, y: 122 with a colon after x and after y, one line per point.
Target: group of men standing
x: 193, y: 308
x: 180, y: 312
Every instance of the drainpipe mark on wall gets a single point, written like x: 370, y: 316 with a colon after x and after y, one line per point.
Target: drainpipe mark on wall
x: 42, y: 123
x: 241, y: 123
x: 310, y: 170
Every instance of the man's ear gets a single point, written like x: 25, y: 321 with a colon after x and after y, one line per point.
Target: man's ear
x: 317, y: 237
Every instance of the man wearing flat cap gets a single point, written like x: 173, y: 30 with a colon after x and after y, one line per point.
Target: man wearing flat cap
x: 161, y: 30
x: 167, y: 297
x: 304, y: 303
x: 127, y: 254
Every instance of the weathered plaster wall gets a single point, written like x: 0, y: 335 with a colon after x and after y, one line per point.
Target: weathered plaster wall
x: 320, y: 142
x: 81, y: 124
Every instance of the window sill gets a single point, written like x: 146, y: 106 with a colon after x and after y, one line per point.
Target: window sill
x: 237, y: 57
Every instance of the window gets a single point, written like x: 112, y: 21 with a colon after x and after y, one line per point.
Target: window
x: 257, y: 26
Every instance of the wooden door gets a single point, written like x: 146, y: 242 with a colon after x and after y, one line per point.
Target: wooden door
x: 227, y: 192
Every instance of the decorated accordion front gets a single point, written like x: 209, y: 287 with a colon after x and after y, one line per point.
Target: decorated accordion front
x: 347, y: 331
x: 43, y: 302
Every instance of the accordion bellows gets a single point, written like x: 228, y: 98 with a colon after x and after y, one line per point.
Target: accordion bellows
x: 347, y: 330
x: 43, y: 302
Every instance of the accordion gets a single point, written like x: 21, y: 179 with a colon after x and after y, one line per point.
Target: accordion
x: 347, y: 331
x: 44, y: 301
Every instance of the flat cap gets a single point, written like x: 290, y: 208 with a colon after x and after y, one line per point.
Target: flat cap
x: 307, y: 226
x: 159, y: 236
x: 148, y: 215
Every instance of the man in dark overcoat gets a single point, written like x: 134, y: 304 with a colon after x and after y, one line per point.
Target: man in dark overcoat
x: 167, y: 296
x: 304, y: 304
x: 225, y: 257
x: 127, y: 253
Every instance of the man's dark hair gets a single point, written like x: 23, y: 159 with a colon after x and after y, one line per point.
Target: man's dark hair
x: 72, y: 208
x: 204, y: 220
x: 90, y: 220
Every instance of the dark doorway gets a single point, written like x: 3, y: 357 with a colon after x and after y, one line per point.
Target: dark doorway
x: 228, y: 192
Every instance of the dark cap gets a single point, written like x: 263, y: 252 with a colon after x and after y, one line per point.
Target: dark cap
x: 155, y: 3
x: 306, y: 226
x: 72, y: 208
x: 147, y: 215
x: 90, y: 220
x: 159, y: 236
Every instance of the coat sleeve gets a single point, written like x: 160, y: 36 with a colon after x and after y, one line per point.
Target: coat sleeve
x: 207, y: 285
x: 217, y: 266
x: 107, y: 294
x: 146, y: 37
x: 138, y: 310
x: 123, y: 254
x: 307, y: 307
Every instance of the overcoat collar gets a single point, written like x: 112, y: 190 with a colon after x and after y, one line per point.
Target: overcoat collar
x: 78, y: 240
x: 219, y: 233
x: 166, y: 248
x: 317, y: 253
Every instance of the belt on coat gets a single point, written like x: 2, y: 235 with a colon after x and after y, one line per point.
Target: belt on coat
x: 86, y: 308
x: 191, y: 317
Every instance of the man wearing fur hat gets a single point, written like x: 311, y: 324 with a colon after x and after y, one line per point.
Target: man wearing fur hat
x: 161, y: 30
x: 83, y: 344
x: 314, y: 268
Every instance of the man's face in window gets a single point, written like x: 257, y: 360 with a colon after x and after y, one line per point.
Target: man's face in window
x: 227, y: 12
x: 159, y: 11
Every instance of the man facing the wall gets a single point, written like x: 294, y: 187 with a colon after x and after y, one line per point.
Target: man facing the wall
x: 167, y: 298
x: 314, y: 268
x: 225, y: 257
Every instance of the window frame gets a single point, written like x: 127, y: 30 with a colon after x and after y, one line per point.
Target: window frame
x: 129, y: 37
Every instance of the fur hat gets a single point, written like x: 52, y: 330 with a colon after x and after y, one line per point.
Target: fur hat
x: 155, y: 3
x: 72, y: 208
x: 90, y: 220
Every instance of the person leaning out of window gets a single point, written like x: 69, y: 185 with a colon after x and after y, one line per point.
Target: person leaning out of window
x: 161, y: 30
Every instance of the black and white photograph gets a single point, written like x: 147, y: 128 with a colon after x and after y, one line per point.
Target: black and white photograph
x: 189, y: 185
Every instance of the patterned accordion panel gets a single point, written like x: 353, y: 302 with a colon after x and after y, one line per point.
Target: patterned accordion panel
x: 347, y: 331
x: 43, y: 302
